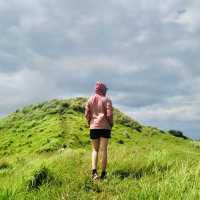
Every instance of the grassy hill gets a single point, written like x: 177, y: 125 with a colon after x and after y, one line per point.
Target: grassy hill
x: 45, y: 154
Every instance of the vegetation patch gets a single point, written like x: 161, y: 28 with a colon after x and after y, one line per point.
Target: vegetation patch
x: 177, y: 134
x: 89, y: 186
x: 50, y: 145
x: 155, y: 164
x: 127, y: 121
x: 120, y: 142
x: 40, y: 177
x: 196, y: 144
x: 4, y: 164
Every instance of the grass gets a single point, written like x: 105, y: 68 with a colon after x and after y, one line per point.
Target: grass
x: 45, y: 154
x: 141, y: 175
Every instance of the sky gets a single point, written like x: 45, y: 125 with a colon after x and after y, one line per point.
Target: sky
x: 147, y: 52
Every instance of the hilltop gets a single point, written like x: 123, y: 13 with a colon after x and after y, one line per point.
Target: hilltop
x: 50, y: 125
x: 54, y: 124
x: 45, y: 154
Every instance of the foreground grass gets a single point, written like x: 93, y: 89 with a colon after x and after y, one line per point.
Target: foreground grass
x: 133, y: 173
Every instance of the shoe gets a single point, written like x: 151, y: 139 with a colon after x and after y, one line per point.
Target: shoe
x: 103, y: 175
x: 95, y: 175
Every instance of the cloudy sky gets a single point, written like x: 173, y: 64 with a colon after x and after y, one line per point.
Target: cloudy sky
x: 147, y: 52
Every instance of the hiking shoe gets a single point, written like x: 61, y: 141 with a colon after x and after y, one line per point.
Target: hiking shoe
x: 103, y: 175
x: 95, y: 175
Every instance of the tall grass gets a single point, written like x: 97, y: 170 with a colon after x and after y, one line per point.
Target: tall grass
x: 136, y: 176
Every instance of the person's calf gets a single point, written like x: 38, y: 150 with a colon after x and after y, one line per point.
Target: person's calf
x: 104, y: 160
x: 94, y: 159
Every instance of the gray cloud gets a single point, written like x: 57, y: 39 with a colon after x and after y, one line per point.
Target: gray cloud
x: 146, y: 51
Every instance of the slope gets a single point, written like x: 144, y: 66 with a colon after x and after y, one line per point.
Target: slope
x: 45, y: 154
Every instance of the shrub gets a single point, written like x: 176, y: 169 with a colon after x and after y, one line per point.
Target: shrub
x: 177, y: 134
x: 41, y: 176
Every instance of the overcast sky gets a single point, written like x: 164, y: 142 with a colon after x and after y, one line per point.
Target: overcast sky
x: 147, y: 52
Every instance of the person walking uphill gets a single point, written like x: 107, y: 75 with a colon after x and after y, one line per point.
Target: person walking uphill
x: 99, y: 115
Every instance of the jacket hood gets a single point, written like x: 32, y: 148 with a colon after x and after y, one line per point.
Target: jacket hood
x: 100, y: 88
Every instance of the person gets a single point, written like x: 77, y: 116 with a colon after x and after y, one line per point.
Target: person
x: 99, y: 115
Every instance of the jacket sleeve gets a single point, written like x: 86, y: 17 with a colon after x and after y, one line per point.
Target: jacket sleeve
x: 88, y: 112
x: 109, y: 112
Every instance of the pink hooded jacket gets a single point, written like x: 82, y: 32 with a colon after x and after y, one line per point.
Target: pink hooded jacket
x: 98, y: 109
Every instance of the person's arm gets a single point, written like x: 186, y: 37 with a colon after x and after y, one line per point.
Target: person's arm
x: 109, y: 112
x: 87, y: 112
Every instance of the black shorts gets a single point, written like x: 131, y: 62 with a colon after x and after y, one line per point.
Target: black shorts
x: 97, y: 133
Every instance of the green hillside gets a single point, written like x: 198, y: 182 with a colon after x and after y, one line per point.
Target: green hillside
x: 45, y: 154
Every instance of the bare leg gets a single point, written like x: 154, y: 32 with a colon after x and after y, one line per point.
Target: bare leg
x: 103, y: 147
x: 95, y: 150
